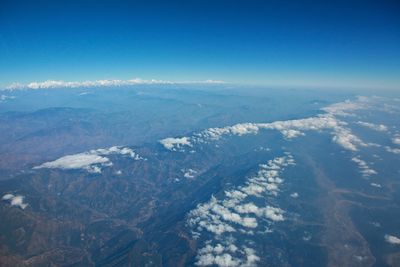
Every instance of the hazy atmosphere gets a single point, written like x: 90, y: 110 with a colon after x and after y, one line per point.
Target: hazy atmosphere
x: 199, y: 133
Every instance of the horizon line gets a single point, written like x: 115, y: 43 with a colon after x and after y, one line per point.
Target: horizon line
x: 60, y: 84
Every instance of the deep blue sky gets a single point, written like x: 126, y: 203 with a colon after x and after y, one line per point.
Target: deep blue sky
x: 331, y: 43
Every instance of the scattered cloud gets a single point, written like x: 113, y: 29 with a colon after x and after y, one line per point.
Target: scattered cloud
x: 396, y: 139
x: 15, y: 200
x: 189, y: 173
x: 91, y: 161
x: 392, y: 150
x: 226, y: 255
x: 365, y: 170
x: 51, y: 84
x: 294, y: 195
x: 236, y: 214
x: 394, y: 240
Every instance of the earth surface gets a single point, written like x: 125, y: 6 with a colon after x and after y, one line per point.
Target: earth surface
x: 186, y: 176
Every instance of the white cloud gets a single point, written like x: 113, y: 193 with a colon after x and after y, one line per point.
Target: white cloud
x: 230, y: 216
x: 343, y: 108
x: 251, y: 257
x: 294, y: 195
x: 223, y: 260
x: 189, y: 173
x: 7, y: 196
x: 248, y: 208
x: 290, y: 129
x: 392, y: 150
x: 175, y: 143
x: 375, y: 185
x: 117, y: 150
x: 226, y: 255
x: 345, y: 138
x: 365, y: 170
x: 274, y: 214
x: 16, y: 200
x: 91, y: 161
x: 394, y: 240
x: 78, y: 161
x: 396, y: 139
x: 376, y: 127
x: 255, y: 189
x: 50, y: 84
x: 235, y: 214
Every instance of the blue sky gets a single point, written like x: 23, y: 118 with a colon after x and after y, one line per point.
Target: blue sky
x: 324, y: 43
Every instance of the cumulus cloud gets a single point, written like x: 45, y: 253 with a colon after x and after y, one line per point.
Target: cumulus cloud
x: 376, y: 127
x: 223, y: 260
x: 175, y: 143
x: 274, y: 214
x: 226, y: 255
x: 236, y: 214
x: 91, y: 161
x: 50, y: 84
x: 189, y: 173
x: 15, y: 200
x: 394, y: 240
x: 251, y: 257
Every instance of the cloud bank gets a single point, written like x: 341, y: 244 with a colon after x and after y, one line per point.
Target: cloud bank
x: 51, y: 84
x: 290, y: 129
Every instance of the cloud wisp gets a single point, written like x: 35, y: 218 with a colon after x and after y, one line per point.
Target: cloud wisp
x: 4, y: 98
x: 376, y: 127
x: 91, y: 161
